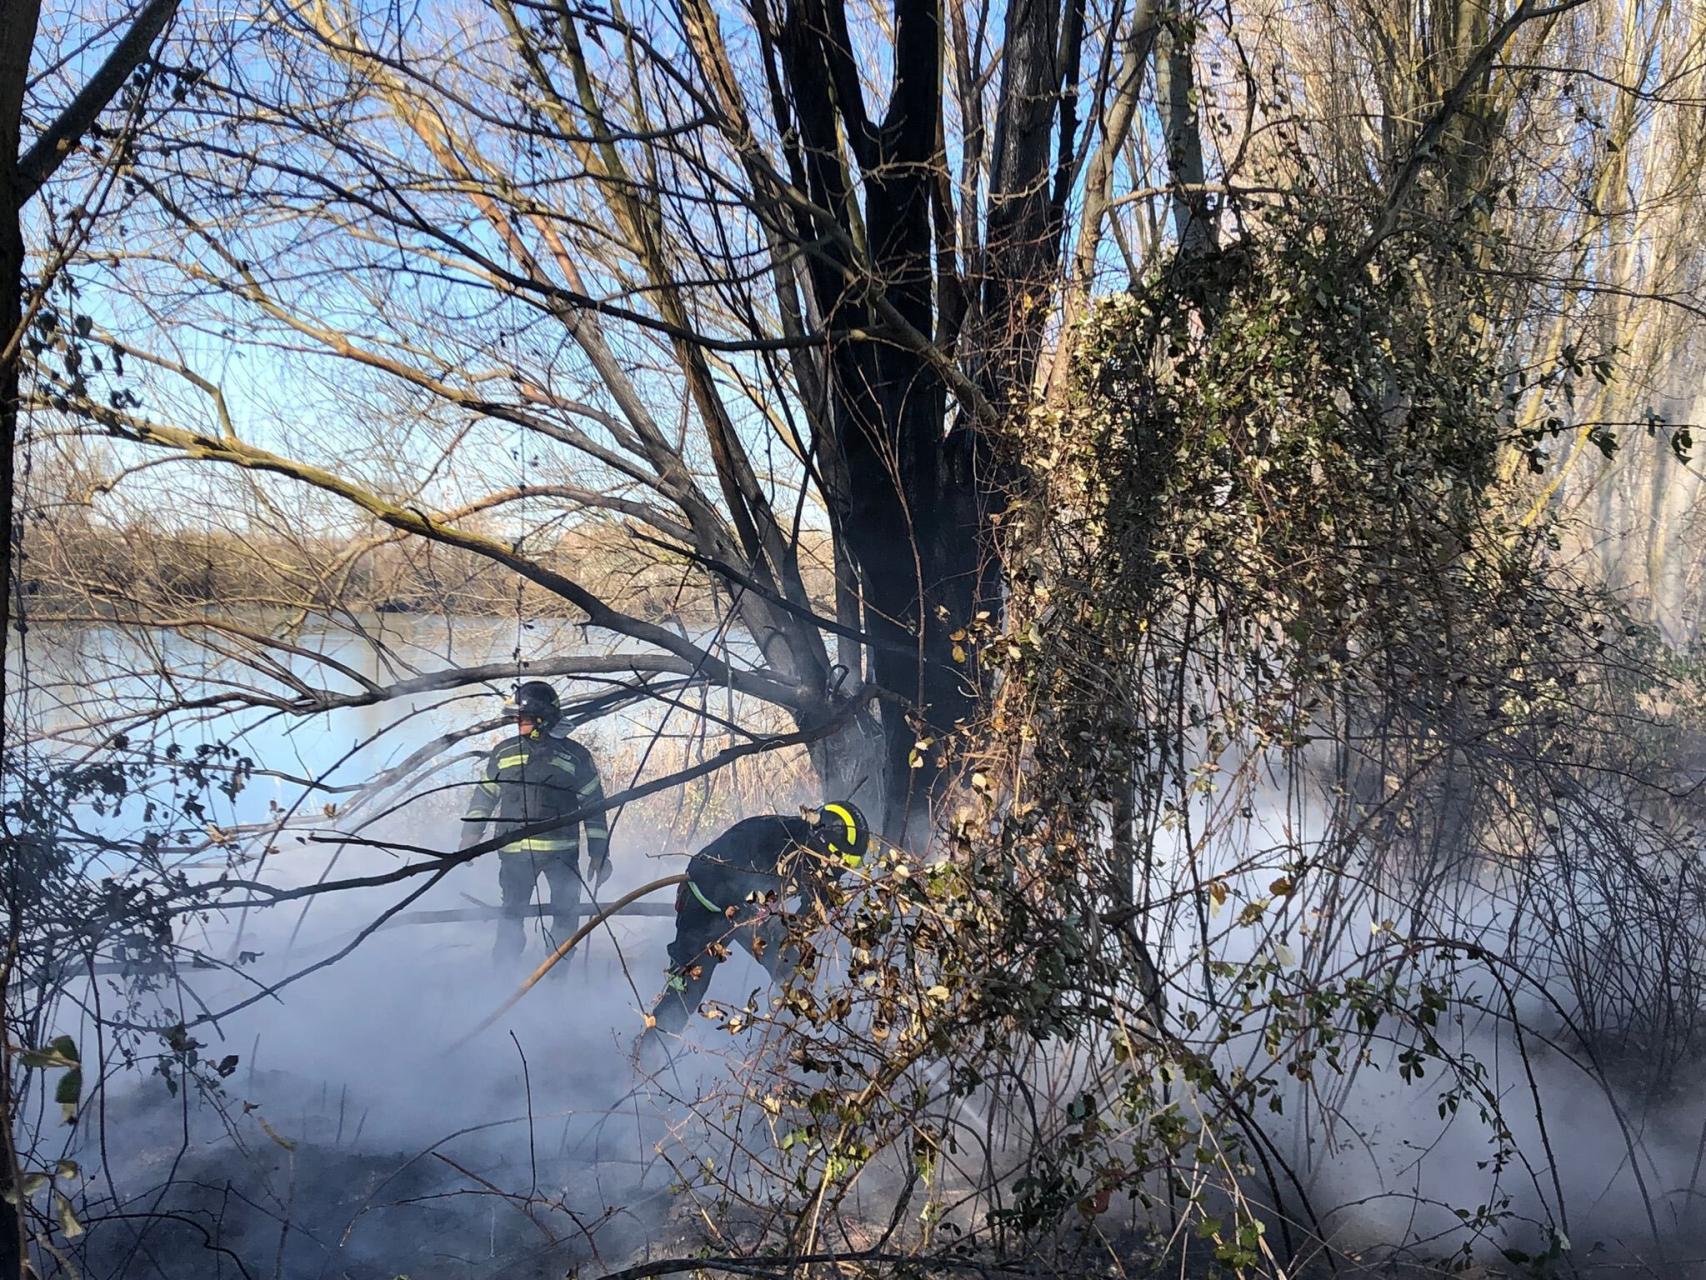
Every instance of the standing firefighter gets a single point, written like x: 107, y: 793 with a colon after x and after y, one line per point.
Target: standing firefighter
x: 736, y: 892
x: 530, y: 778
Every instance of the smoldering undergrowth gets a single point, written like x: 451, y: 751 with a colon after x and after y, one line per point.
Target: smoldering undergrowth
x: 1321, y: 822
x: 1321, y: 875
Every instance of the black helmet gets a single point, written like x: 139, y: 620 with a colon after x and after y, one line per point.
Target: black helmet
x: 537, y: 701
x: 842, y: 832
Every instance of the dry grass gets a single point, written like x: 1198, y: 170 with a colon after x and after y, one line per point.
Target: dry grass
x: 78, y: 568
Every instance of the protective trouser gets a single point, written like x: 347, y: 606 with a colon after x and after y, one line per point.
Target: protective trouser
x: 702, y: 939
x: 518, y: 874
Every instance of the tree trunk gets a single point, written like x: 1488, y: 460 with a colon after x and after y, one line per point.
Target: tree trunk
x: 17, y: 37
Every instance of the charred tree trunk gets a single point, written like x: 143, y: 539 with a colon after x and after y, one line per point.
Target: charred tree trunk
x: 924, y: 484
x: 911, y: 531
x: 17, y: 37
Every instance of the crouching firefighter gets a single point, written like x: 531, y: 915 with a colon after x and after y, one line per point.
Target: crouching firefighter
x: 736, y: 894
x: 531, y: 777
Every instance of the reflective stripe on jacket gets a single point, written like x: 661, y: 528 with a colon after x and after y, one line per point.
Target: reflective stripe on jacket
x: 534, y: 779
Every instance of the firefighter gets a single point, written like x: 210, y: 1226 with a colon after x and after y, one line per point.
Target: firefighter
x: 737, y: 890
x: 530, y: 777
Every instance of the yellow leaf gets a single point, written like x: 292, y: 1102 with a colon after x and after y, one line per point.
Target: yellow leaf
x: 938, y: 992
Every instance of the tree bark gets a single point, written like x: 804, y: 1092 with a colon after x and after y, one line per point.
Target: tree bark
x: 17, y: 38
x: 18, y: 20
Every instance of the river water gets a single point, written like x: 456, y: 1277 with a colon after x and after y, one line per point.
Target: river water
x: 206, y: 690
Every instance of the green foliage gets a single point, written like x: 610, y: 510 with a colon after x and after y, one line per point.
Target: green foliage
x: 1306, y: 453
x: 1262, y: 560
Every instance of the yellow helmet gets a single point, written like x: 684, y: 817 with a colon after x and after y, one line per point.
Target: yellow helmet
x: 842, y: 832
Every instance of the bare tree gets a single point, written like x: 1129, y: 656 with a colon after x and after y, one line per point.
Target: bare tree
x: 731, y: 277
x: 739, y: 280
x: 768, y: 285
x: 57, y: 81
x: 43, y: 121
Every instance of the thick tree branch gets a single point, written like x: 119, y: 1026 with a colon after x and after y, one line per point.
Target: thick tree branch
x: 1398, y: 193
x: 61, y: 137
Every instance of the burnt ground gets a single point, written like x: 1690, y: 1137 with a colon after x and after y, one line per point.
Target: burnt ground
x: 317, y: 1212
x: 220, y: 1188
x: 223, y: 1192
x: 321, y: 1213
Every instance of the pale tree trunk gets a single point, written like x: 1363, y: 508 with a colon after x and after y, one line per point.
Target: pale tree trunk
x: 1175, y: 89
x: 1675, y: 489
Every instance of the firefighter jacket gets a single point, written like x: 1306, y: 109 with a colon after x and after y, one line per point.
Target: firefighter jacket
x: 769, y: 854
x: 532, y: 779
